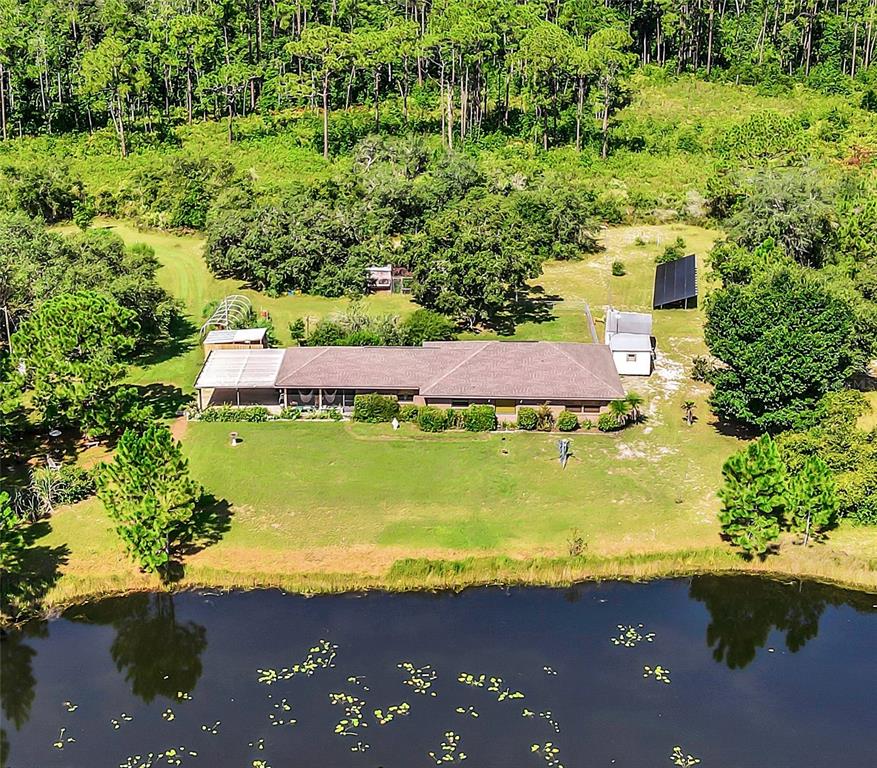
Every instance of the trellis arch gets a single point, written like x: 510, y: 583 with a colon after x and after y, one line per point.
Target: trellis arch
x: 230, y: 310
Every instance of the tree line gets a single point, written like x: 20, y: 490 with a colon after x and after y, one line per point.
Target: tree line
x: 543, y: 68
x: 792, y: 327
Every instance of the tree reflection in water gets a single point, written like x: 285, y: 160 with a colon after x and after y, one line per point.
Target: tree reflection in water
x: 17, y: 690
x: 744, y: 610
x: 158, y: 655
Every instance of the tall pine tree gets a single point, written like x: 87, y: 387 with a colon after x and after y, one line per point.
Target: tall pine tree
x: 754, y: 497
x: 148, y: 493
x: 813, y: 499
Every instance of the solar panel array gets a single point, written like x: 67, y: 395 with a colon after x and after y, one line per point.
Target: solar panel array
x: 676, y: 283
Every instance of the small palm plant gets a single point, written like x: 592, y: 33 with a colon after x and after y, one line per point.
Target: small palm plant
x: 688, y: 406
x: 620, y: 411
x: 634, y: 403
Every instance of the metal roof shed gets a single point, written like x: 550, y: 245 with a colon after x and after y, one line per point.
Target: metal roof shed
x: 676, y: 284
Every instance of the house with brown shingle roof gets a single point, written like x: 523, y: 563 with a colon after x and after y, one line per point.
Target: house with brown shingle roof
x: 452, y: 374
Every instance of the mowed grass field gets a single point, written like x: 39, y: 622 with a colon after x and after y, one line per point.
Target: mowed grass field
x: 327, y: 505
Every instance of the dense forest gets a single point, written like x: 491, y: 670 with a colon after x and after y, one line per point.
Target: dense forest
x: 538, y: 68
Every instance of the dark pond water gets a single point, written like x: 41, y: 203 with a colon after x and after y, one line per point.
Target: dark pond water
x: 760, y: 674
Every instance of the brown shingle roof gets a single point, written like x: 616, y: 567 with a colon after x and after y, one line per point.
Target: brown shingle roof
x: 460, y: 369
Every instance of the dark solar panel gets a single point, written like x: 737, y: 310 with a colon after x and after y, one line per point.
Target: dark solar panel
x: 676, y: 283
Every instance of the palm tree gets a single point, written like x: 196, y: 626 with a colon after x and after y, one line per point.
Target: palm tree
x: 688, y: 406
x: 634, y: 401
x: 620, y: 411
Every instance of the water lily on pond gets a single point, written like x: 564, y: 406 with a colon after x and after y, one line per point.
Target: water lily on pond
x: 681, y: 759
x: 168, y: 715
x: 214, y: 729
x: 494, y: 685
x: 630, y: 636
x: 661, y: 674
x: 258, y: 744
x: 123, y: 717
x: 358, y: 680
x: 59, y: 744
x: 170, y: 756
x: 550, y: 671
x: 183, y: 696
x: 394, y: 710
x: 547, y: 716
x: 449, y: 750
x: 419, y: 678
x: 549, y: 753
x: 360, y: 746
x: 467, y: 711
x: 70, y: 706
x: 352, y: 714
x: 320, y: 656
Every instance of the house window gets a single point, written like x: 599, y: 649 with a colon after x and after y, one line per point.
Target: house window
x: 459, y: 403
x: 631, y: 357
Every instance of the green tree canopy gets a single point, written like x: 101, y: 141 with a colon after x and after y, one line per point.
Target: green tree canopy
x: 474, y: 261
x: 72, y: 350
x: 149, y: 495
x: 790, y: 208
x: 754, y: 497
x: 785, y: 339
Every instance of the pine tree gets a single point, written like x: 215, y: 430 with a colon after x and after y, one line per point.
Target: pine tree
x: 813, y: 499
x: 148, y: 493
x: 754, y: 496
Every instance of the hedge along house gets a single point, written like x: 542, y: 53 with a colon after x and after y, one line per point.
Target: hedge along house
x: 449, y: 374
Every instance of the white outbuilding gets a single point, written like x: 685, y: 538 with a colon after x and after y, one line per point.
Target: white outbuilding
x: 629, y: 337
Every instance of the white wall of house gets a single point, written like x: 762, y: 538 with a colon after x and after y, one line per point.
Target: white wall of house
x: 633, y: 363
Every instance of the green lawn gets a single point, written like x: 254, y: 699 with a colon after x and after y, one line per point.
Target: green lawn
x: 326, y: 500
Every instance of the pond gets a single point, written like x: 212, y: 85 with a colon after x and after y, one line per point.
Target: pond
x: 733, y: 671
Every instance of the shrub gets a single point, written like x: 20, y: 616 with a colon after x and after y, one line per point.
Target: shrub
x: 432, y: 419
x: 586, y: 424
x: 618, y: 269
x: 702, y: 367
x: 374, y: 408
x: 544, y: 418
x: 409, y: 412
x: 527, y: 419
x: 606, y: 422
x: 676, y: 250
x: 50, y: 488
x: 479, y: 418
x: 454, y: 418
x: 232, y: 413
x: 323, y: 414
x: 567, y: 421
x: 576, y: 544
x: 290, y: 412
